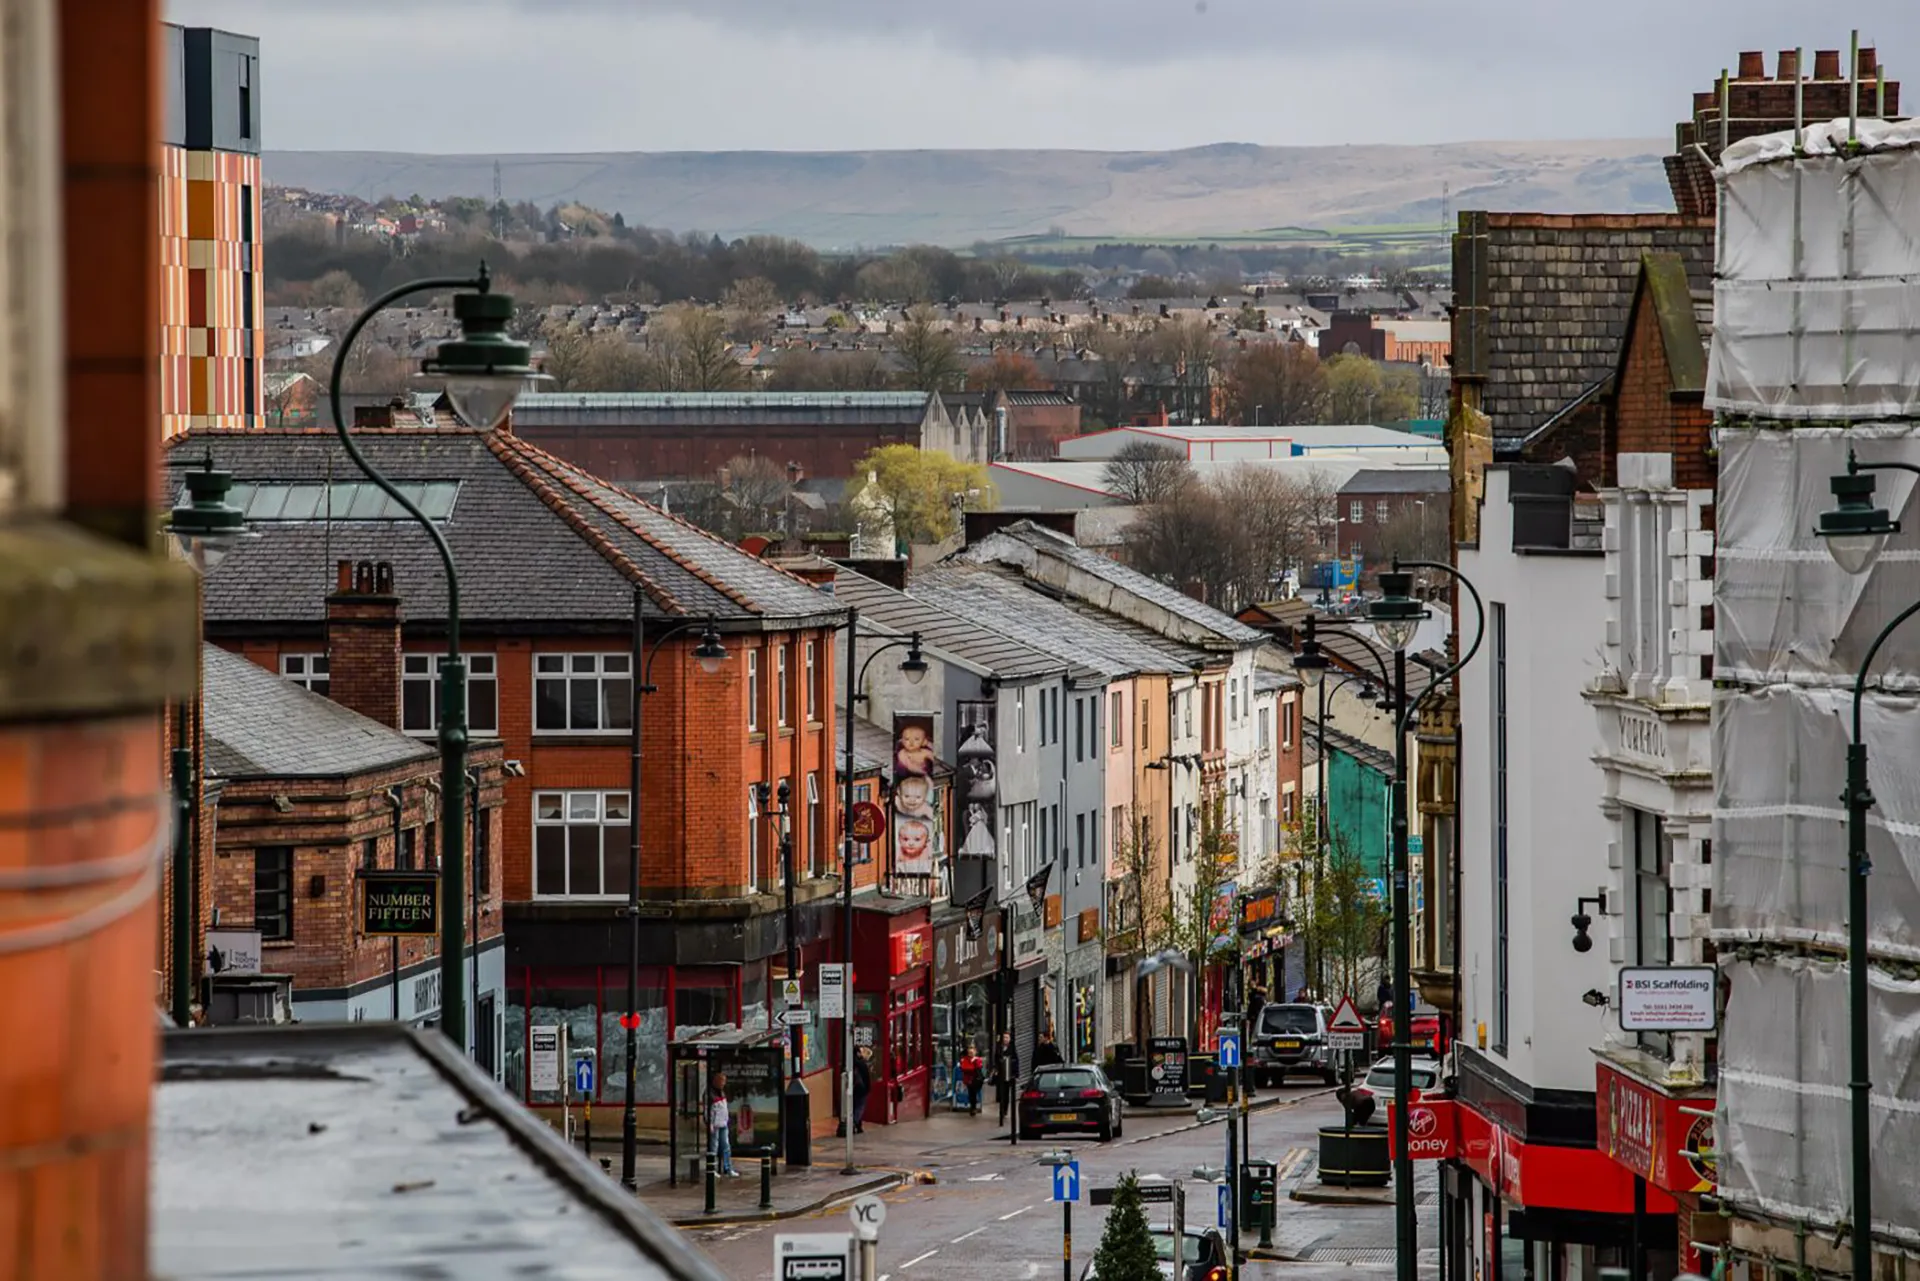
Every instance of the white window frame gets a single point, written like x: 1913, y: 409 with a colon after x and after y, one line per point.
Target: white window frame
x: 1382, y: 511
x: 1264, y: 736
x: 1020, y: 718
x: 309, y: 671
x: 574, y: 807
x: 1357, y: 512
x: 607, y: 668
x: 1119, y: 730
x: 809, y: 672
x: 782, y: 697
x: 753, y: 691
x: 418, y: 668
x: 1287, y: 709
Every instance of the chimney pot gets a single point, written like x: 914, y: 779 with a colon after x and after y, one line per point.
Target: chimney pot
x: 1869, y: 63
x: 1826, y: 64
x: 1789, y: 65
x: 343, y: 576
x: 1753, y: 65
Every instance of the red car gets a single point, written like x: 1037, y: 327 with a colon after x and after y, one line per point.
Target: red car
x: 1430, y: 1033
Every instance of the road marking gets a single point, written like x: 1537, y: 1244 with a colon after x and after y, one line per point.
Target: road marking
x: 1016, y: 1214
x: 982, y: 1178
x: 910, y: 1262
x: 976, y: 1232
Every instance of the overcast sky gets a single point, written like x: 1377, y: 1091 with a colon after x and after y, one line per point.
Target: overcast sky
x: 653, y: 75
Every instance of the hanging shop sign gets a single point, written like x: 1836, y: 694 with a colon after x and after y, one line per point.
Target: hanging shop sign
x: 1433, y: 1130
x: 912, y: 948
x: 1259, y: 910
x: 869, y: 822
x: 399, y: 904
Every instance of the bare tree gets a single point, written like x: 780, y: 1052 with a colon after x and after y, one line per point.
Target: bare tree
x: 1276, y: 384
x: 805, y: 369
x: 1233, y: 535
x: 1417, y: 531
x: 337, y: 289
x: 929, y: 355
x: 749, y: 306
x: 757, y: 494
x: 1143, y: 472
x: 688, y: 351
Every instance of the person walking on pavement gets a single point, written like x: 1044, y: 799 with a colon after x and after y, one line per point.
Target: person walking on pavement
x: 971, y: 1069
x: 1006, y: 1074
x: 1256, y: 1001
x: 862, y: 1084
x: 720, y: 1129
x: 1047, y: 1053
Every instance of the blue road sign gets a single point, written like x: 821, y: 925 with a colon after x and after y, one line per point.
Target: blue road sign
x: 1224, y: 1199
x: 1066, y: 1181
x: 1229, y: 1049
x: 583, y: 1076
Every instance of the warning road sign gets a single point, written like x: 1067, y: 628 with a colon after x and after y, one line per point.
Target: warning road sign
x: 1346, y: 1031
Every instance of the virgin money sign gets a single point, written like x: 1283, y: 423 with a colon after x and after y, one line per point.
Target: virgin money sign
x: 1433, y: 1131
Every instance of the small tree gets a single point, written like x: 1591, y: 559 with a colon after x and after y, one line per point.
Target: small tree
x: 1191, y: 920
x: 1143, y: 472
x: 1345, y: 917
x: 929, y: 355
x: 1126, y: 1242
x: 919, y: 493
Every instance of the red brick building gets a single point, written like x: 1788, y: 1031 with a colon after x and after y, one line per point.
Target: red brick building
x: 552, y: 564
x: 310, y: 794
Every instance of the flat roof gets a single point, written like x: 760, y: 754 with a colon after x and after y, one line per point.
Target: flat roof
x: 376, y: 1150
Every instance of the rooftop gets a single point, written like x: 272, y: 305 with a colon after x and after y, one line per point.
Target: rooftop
x: 993, y: 653
x: 539, y: 543
x: 682, y: 407
x: 373, y: 1150
x: 261, y: 726
x: 1398, y: 480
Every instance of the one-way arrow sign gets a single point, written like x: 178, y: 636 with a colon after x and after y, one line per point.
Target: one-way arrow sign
x: 1066, y: 1181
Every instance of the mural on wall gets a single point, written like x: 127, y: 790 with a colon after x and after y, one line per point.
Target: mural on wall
x: 915, y: 802
x: 976, y: 798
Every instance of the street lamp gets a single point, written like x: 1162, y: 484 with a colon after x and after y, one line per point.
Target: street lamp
x: 796, y: 1111
x: 914, y: 668
x: 1396, y: 616
x: 709, y: 654
x: 1855, y: 532
x: 205, y: 524
x: 482, y: 372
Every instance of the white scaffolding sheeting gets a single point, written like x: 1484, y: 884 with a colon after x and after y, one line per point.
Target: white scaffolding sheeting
x: 1817, y: 281
x: 1783, y: 1132
x: 1783, y: 611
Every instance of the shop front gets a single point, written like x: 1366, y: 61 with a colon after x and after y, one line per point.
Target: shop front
x: 1665, y: 1141
x: 1529, y: 1194
x: 1023, y: 978
x: 963, y: 990
x: 893, y: 949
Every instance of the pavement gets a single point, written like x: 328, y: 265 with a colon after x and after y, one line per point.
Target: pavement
x: 964, y: 1202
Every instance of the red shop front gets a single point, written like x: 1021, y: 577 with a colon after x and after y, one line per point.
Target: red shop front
x: 893, y: 987
x: 1663, y: 1139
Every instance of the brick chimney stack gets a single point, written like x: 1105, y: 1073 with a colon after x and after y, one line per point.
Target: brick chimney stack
x: 363, y: 641
x: 1789, y: 65
x: 1826, y: 64
x: 1753, y: 65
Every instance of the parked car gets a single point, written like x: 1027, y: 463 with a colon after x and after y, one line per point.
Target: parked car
x: 1070, y: 1096
x: 1429, y: 1033
x: 1204, y: 1256
x: 1424, y: 1076
x: 1291, y: 1039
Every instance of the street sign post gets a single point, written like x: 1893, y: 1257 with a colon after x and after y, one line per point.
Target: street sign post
x: 1066, y: 1190
x: 833, y: 992
x: 796, y: 1016
x: 1346, y: 1031
x: 1228, y: 1050
x: 813, y: 1256
x: 790, y: 991
x: 583, y: 1073
x: 867, y: 1214
x: 1223, y: 1203
x: 1066, y: 1181
x: 543, y: 1070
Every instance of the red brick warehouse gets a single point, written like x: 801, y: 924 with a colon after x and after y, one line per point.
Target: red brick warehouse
x: 550, y: 560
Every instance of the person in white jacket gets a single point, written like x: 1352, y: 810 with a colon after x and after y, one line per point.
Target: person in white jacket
x: 720, y: 1129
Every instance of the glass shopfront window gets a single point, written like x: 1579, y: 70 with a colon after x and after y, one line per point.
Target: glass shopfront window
x: 588, y: 1004
x: 571, y: 1002
x: 650, y: 1040
x: 907, y: 1032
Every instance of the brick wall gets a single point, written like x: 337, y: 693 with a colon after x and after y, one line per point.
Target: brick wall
x: 1651, y: 418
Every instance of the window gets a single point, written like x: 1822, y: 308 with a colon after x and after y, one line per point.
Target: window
x: 1380, y: 510
x: 809, y: 674
x: 580, y: 844
x: 341, y: 501
x: 1046, y: 834
x: 753, y: 830
x: 783, y: 697
x: 1501, y: 973
x: 753, y: 691
x: 420, y: 693
x: 482, y: 851
x: 308, y: 671
x: 1286, y: 804
x: 1020, y: 718
x: 582, y: 693
x: 1079, y: 729
x: 273, y: 893
x: 1233, y: 701
x: 1143, y: 722
x: 404, y: 853
x: 1186, y: 713
x: 1265, y: 737
x: 246, y: 222
x: 370, y: 853
x: 1652, y: 902
x: 1356, y: 512
x: 246, y: 96
x: 1079, y: 840
x: 818, y: 841
x: 1287, y: 709
x: 1119, y: 718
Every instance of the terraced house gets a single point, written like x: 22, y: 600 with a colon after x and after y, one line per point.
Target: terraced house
x: 554, y: 564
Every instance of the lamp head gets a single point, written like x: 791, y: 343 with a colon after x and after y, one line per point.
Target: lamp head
x: 914, y: 665
x: 485, y: 369
x: 710, y: 653
x: 1396, y: 616
x: 205, y: 523
x: 1855, y: 529
x: 1310, y: 663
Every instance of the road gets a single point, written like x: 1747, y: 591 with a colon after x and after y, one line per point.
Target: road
x: 989, y: 1215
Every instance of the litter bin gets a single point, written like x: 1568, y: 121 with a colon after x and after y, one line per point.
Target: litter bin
x: 1205, y: 1080
x: 1354, y: 1157
x: 1133, y: 1081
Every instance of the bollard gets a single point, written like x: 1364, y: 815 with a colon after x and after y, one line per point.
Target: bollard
x: 710, y: 1175
x: 766, y: 1181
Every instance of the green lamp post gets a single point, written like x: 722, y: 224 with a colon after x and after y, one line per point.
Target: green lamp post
x: 1856, y: 530
x: 482, y: 372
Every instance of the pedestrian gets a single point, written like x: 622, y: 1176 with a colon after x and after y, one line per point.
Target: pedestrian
x: 862, y: 1083
x: 1256, y: 1001
x: 1006, y: 1074
x: 1047, y: 1053
x: 971, y: 1069
x: 720, y: 1129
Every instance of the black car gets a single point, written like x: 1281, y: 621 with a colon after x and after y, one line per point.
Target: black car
x: 1074, y: 1096
x: 1204, y: 1256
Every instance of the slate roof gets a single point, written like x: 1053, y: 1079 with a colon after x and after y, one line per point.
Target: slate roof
x: 1541, y: 303
x: 1398, y: 480
x: 965, y: 639
x: 641, y: 409
x: 261, y: 726
x: 1047, y: 543
x: 1095, y: 650
x: 538, y: 543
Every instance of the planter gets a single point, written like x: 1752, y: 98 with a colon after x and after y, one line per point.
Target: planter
x: 1355, y: 1157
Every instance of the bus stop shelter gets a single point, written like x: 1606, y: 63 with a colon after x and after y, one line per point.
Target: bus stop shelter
x: 754, y: 1061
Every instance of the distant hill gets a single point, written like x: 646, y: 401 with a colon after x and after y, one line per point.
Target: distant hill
x: 845, y: 199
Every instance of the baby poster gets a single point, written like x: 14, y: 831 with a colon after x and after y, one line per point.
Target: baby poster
x: 915, y: 812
